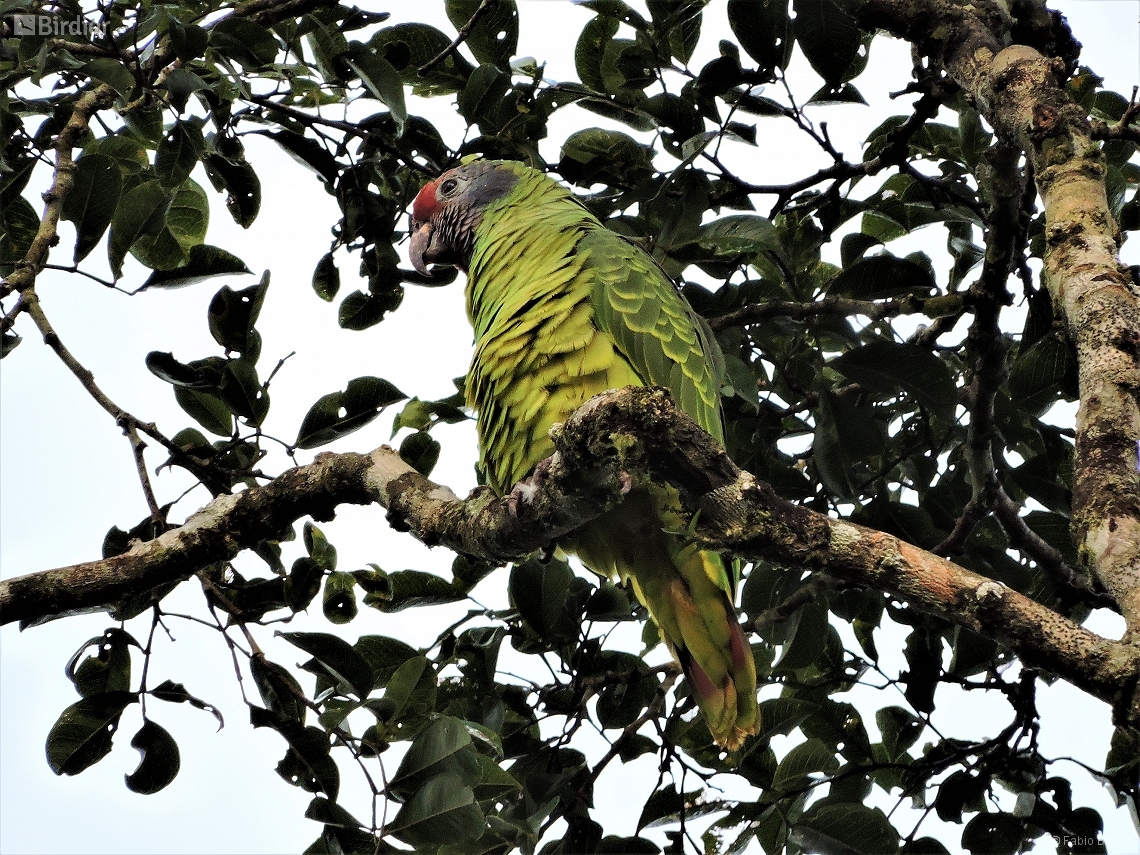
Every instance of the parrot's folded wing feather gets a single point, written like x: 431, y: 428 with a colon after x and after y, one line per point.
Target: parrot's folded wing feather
x: 653, y: 327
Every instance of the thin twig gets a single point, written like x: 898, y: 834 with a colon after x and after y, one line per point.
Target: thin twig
x: 85, y: 377
x: 459, y: 39
x: 137, y: 448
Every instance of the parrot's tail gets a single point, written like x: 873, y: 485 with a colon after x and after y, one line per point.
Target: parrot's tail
x: 708, y: 642
x: 686, y: 591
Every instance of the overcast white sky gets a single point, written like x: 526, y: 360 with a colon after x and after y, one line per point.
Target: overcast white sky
x: 68, y: 476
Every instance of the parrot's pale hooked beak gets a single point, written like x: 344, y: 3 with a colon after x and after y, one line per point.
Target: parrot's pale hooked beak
x: 421, y: 243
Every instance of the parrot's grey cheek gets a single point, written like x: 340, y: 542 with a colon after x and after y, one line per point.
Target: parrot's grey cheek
x: 421, y: 242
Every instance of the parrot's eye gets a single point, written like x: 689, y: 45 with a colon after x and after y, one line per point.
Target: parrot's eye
x: 448, y: 186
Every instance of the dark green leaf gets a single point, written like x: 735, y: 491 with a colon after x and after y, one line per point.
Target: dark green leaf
x: 900, y: 729
x: 782, y: 715
x: 339, y: 603
x: 662, y: 806
x: 176, y: 693
x: 808, y: 635
x: 411, y: 589
x: 359, y: 311
x: 994, y: 834
x: 595, y: 154
x: 805, y: 759
x: 1042, y: 374
x: 178, y: 153
x: 233, y: 314
x: 319, y: 548
x: 380, y: 78
x: 181, y: 83
x: 845, y: 94
x: 308, y: 152
x: 326, y: 278
x: 829, y: 38
x: 330, y: 813
x: 591, y: 48
x: 848, y: 828
x: 483, y: 94
x: 92, y: 201
x: 443, y: 746
x: 410, y: 694
x: 307, y: 764
x: 886, y: 367
x: 420, y: 451
x: 384, y: 655
x: 740, y: 235
x: 166, y: 367
x: 882, y: 276
x: 494, y: 38
x: 19, y: 223
x: 159, y: 761
x: 206, y: 409
x: 764, y: 29
x: 112, y: 72
x: 241, y: 39
x: 128, y: 154
x: 82, y: 735
x: 608, y: 603
x: 8, y: 343
x: 109, y: 670
x: 846, y: 436
x: 242, y: 391
x: 443, y: 810
x: 337, y: 656
x: 303, y: 582
x: 142, y: 210
x: 165, y: 244
x: 340, y: 413
x: 960, y: 791
x: 411, y: 45
x: 229, y: 171
x: 280, y: 692
x: 539, y: 591
x: 203, y: 262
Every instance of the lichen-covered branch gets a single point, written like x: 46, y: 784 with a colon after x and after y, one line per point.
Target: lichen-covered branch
x: 1019, y: 92
x: 612, y: 442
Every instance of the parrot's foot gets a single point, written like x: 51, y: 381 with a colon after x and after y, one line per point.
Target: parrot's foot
x: 625, y: 483
x: 525, y: 490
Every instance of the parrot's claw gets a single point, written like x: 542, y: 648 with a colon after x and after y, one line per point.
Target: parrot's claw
x: 524, y: 491
x: 625, y: 483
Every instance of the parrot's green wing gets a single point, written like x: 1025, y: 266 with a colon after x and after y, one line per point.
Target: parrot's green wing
x: 653, y: 327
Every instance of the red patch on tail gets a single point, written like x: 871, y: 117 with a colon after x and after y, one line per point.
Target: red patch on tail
x: 699, y: 678
x: 738, y: 645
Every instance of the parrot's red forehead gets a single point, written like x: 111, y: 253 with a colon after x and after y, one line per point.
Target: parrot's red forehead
x: 426, y: 204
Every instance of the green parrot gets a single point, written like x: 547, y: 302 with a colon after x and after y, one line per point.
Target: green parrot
x: 564, y: 309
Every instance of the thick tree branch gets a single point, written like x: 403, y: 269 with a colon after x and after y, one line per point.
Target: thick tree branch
x: 614, y: 440
x: 1019, y: 92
